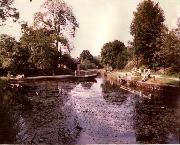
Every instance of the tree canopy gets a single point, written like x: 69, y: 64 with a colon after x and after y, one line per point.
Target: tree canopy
x: 69, y: 61
x: 7, y: 45
x: 57, y: 16
x: 114, y: 54
x: 39, y: 42
x: 146, y: 28
x: 85, y: 54
x: 14, y: 58
x: 7, y: 11
x: 169, y: 53
x: 88, y: 61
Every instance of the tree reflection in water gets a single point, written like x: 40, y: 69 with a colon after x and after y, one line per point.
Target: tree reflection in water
x: 47, y: 121
x: 87, y: 85
x: 156, y: 119
x: 60, y: 110
x: 113, y: 93
x: 7, y: 126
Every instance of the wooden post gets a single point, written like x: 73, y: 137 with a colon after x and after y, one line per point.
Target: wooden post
x: 78, y: 69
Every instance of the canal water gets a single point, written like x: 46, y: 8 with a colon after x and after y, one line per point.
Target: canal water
x: 87, y: 112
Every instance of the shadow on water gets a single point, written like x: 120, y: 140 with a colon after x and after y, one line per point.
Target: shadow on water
x: 7, y: 128
x: 10, y: 106
x: 87, y: 112
x: 87, y: 85
x: 157, y: 119
x: 113, y: 93
x: 47, y: 119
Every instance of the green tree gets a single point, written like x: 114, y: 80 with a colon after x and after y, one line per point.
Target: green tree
x: 40, y: 43
x: 169, y: 54
x: 114, y: 54
x: 14, y: 58
x: 20, y: 60
x: 7, y: 47
x: 97, y: 61
x: 146, y: 28
x: 88, y: 61
x: 87, y: 64
x: 69, y: 61
x: 7, y: 11
x: 57, y: 16
x: 85, y: 54
x: 122, y: 59
x: 177, y: 30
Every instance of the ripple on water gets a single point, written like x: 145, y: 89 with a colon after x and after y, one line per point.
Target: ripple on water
x: 88, y: 112
x: 103, y: 122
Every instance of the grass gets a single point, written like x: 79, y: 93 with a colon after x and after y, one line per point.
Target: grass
x: 164, y: 80
x: 159, y: 79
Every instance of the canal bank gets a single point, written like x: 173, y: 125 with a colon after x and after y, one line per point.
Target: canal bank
x: 128, y: 81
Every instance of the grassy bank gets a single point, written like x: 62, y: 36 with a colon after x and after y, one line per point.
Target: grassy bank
x: 159, y: 79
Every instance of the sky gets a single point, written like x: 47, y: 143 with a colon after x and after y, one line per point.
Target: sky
x: 100, y: 21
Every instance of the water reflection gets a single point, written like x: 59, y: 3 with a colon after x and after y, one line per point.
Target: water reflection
x: 113, y: 93
x: 102, y: 121
x: 7, y: 128
x: 87, y: 112
x: 156, y: 121
x: 87, y: 85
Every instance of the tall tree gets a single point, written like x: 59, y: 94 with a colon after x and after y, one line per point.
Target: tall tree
x: 7, y: 45
x: 40, y: 43
x: 177, y: 30
x: 7, y: 11
x: 146, y: 28
x: 14, y: 58
x: 85, y: 54
x: 58, y: 17
x: 88, y: 61
x: 114, y: 54
x: 168, y: 52
x: 69, y: 62
x: 20, y: 60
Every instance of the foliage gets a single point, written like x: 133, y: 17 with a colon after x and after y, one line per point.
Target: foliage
x: 169, y: 54
x: 57, y: 17
x: 87, y: 64
x: 88, y: 61
x: 69, y: 61
x: 7, y: 11
x: 130, y: 51
x: 114, y: 54
x: 97, y: 61
x: 7, y: 47
x: 121, y: 60
x: 166, y: 52
x: 20, y: 60
x: 40, y: 43
x: 14, y: 58
x: 35, y: 51
x: 86, y: 55
x: 146, y: 28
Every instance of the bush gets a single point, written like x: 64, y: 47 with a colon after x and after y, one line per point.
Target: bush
x: 86, y: 64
